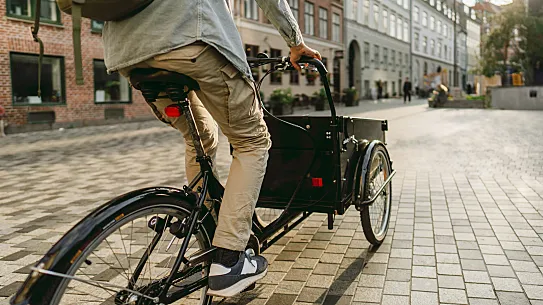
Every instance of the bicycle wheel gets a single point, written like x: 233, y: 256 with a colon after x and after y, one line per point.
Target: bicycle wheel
x: 376, y: 217
x: 267, y: 215
x: 115, y: 255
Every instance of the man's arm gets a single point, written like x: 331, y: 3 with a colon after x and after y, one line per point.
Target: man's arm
x: 280, y: 15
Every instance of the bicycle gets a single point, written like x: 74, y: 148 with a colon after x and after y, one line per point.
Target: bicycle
x: 153, y: 245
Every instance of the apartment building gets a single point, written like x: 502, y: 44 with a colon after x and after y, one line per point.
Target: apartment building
x: 377, y: 37
x: 433, y: 39
x: 321, y: 22
x: 102, y: 98
x: 473, y: 40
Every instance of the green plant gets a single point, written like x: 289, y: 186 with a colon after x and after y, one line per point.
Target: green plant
x: 281, y: 97
x: 320, y: 94
x: 475, y: 98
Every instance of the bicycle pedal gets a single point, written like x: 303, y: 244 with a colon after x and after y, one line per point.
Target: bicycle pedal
x: 251, y: 287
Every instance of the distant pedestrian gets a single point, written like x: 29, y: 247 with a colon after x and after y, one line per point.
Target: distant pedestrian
x: 379, y: 90
x: 407, y: 90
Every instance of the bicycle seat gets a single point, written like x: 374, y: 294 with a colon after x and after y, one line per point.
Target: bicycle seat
x: 140, y: 76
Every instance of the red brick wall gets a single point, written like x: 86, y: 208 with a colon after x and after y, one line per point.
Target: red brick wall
x: 15, y: 36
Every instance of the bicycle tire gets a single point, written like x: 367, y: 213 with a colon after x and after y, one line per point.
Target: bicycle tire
x: 144, y: 206
x: 367, y: 212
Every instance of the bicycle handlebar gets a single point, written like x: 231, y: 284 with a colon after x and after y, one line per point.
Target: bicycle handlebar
x: 287, y: 65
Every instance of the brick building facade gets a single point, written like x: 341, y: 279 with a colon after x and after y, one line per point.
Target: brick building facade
x: 101, y: 99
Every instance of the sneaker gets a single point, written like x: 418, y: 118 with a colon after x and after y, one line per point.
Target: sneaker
x: 226, y: 282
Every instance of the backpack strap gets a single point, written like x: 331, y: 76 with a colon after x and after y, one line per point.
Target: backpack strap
x: 35, y: 30
x: 76, y: 20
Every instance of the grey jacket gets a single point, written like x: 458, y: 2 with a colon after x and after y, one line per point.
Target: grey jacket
x: 169, y: 24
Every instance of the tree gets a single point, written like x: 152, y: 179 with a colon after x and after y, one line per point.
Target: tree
x: 513, y: 44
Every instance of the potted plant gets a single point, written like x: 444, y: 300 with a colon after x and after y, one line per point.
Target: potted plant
x: 351, y: 97
x: 319, y: 100
x: 311, y: 76
x: 281, y: 101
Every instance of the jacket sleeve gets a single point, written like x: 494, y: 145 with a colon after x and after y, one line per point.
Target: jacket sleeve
x: 280, y: 15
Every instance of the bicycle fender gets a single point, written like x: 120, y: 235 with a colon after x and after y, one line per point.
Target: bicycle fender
x: 363, y: 164
x: 38, y: 288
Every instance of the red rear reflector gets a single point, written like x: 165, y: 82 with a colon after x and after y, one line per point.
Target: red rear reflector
x: 317, y: 182
x: 173, y: 111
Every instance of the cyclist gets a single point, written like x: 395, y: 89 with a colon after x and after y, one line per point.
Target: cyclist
x: 199, y: 38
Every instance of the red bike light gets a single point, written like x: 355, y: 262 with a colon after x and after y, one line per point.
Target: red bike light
x: 317, y: 182
x: 172, y: 111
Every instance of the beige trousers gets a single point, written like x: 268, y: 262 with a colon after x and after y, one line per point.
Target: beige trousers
x: 226, y: 99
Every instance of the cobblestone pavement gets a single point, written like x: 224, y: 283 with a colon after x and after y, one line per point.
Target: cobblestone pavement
x: 467, y: 223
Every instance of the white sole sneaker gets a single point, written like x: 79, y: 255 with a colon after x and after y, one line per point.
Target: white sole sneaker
x: 237, y: 287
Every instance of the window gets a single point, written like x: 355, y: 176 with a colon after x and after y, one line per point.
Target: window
x: 97, y: 26
x: 24, y: 79
x: 424, y: 19
x: 439, y: 26
x: 275, y: 77
x: 445, y: 30
x: 294, y: 8
x: 439, y: 49
x: 25, y: 9
x: 393, y: 59
x: 376, y: 56
x: 392, y: 25
x: 416, y: 14
x: 294, y: 77
x: 251, y: 9
x: 406, y: 59
x: 336, y: 32
x: 385, y: 20
x: 367, y: 12
x: 376, y: 16
x: 109, y: 88
x: 432, y: 2
x: 432, y: 47
x: 355, y: 9
x: 309, y: 18
x: 252, y: 51
x: 445, y: 51
x: 406, y: 4
x: 432, y: 23
x: 366, y: 55
x: 399, y: 29
x: 385, y: 58
x: 425, y: 44
x: 323, y: 23
x: 417, y: 41
x: 399, y: 2
x: 466, y: 9
x: 399, y: 59
x: 405, y: 31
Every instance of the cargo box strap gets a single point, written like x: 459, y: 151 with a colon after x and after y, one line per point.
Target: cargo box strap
x: 76, y: 20
x: 35, y: 30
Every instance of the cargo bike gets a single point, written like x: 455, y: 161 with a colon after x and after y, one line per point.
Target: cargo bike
x: 153, y: 245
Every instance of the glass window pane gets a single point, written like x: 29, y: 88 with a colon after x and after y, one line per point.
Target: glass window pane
x: 49, y: 10
x: 19, y: 8
x: 109, y: 87
x: 24, y: 77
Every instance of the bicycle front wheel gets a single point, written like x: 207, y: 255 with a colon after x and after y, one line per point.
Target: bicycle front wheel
x: 137, y: 253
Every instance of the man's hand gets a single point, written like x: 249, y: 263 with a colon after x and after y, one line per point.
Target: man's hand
x: 302, y: 50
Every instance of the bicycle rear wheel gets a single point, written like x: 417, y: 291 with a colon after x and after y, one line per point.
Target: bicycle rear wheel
x: 116, y: 254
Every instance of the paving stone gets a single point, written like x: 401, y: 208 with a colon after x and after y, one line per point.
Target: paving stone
x: 533, y: 291
x: 480, y: 291
x: 370, y: 295
x: 453, y: 296
x: 530, y: 278
x: 398, y: 288
x: 451, y: 281
x: 506, y: 284
x: 449, y: 269
x: 423, y: 298
x: 476, y: 277
x: 297, y: 275
x: 369, y: 280
x: 512, y: 298
x: 500, y: 271
x: 424, y: 271
x: 424, y: 284
x: 394, y: 300
x: 311, y: 295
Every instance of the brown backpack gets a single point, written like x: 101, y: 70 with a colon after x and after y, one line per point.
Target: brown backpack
x: 101, y: 10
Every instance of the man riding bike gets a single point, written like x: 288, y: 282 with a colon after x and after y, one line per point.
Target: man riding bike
x: 198, y: 38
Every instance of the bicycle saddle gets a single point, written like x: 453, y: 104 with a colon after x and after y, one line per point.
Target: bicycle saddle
x: 159, y: 76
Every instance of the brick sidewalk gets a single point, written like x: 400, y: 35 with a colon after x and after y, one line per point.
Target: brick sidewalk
x: 466, y: 224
